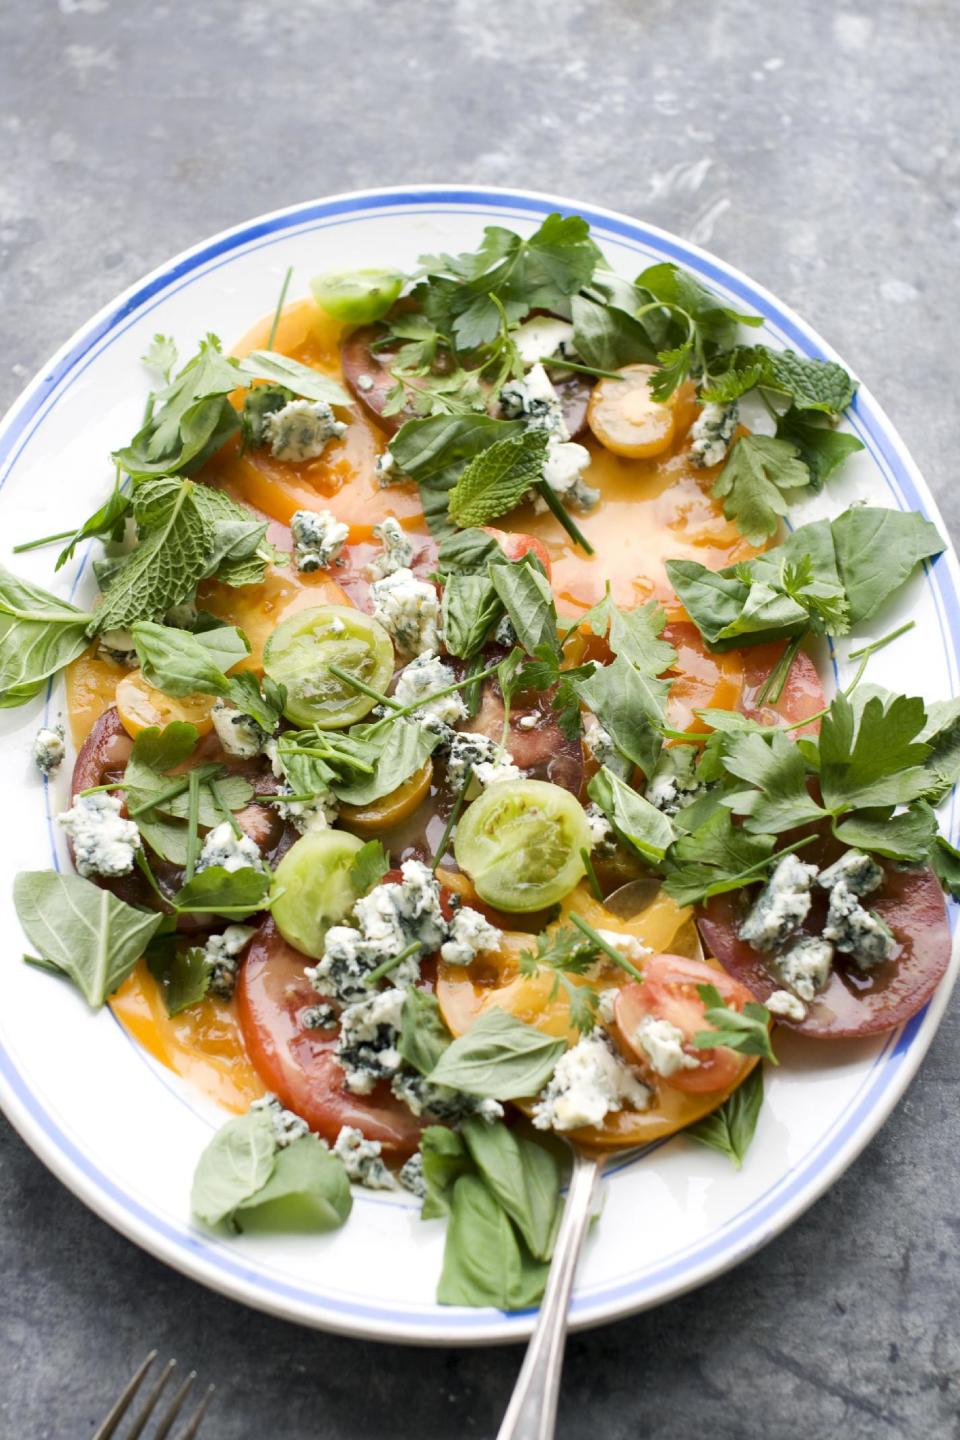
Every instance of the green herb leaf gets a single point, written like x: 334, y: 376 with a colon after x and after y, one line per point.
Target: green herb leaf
x: 306, y: 1192
x: 235, y: 893
x: 180, y: 663
x: 403, y: 747
x: 906, y: 837
x: 731, y: 1127
x: 811, y: 384
x: 777, y: 770
x: 39, y: 635
x: 471, y: 609
x: 303, y: 380
x: 715, y: 857
x: 877, y: 550
x: 607, y: 337
x: 106, y: 523
x: 423, y: 1034
x: 821, y: 448
x: 495, y: 481
x: 170, y: 560
x: 182, y: 974
x: 629, y: 705
x: 445, y: 1159
x: 637, y: 822
x: 875, y: 759
x: 746, y: 1031
x: 526, y: 596
x: 265, y: 704
x: 368, y: 867
x: 87, y: 933
x: 467, y: 552
x: 522, y: 1175
x: 500, y: 1058
x: 751, y: 484
x: 191, y: 419
x: 161, y: 355
x: 484, y: 1262
x: 236, y: 1164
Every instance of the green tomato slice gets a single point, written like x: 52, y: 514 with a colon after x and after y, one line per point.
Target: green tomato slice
x: 357, y: 297
x: 313, y: 888
x: 520, y: 843
x: 298, y: 655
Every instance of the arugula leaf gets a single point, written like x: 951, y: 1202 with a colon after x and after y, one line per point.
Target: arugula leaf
x: 183, y: 976
x: 404, y: 746
x: 85, y: 932
x: 638, y: 822
x: 484, y: 1263
x: 303, y: 380
x: 445, y: 1159
x: 821, y: 448
x: 234, y: 893
x: 522, y: 1175
x: 307, y: 1191
x: 499, y: 1058
x: 875, y: 759
x: 39, y: 635
x: 629, y: 706
x: 433, y: 452
x: 731, y: 1127
x: 423, y: 1033
x: 495, y: 481
x: 713, y: 858
x: 368, y: 866
x: 751, y: 484
x: 471, y: 608
x: 236, y: 1164
x: 192, y: 418
x: 747, y: 1031
x: 170, y: 560
x: 525, y: 594
x: 106, y: 523
x: 179, y: 663
x: 776, y: 767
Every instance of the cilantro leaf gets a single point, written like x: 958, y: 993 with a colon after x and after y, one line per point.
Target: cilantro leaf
x: 182, y: 974
x: 566, y: 952
x: 161, y: 355
x: 544, y: 674
x: 496, y: 481
x: 635, y: 635
x: 776, y: 767
x: 747, y: 1031
x: 369, y: 866
x: 751, y: 484
x: 731, y: 1127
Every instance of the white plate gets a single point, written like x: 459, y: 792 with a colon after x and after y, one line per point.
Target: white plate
x: 122, y: 1132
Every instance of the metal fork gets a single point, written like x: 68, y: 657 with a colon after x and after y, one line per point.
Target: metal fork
x: 168, y: 1418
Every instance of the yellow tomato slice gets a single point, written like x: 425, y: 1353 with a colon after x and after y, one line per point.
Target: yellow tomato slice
x: 141, y: 706
x: 626, y: 418
x: 259, y: 609
x: 390, y: 809
x: 203, y: 1044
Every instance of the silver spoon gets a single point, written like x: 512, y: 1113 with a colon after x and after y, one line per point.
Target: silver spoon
x: 532, y: 1412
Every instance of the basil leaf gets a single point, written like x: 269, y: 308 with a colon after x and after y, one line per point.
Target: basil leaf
x: 496, y: 481
x: 500, y: 1058
x: 303, y: 380
x: 236, y: 1164
x: 522, y: 1175
x: 445, y: 1159
x: 86, y: 932
x: 433, y: 452
x: 471, y: 608
x: 731, y: 1127
x: 405, y: 748
x: 467, y: 552
x: 39, y: 635
x: 607, y: 337
x: 629, y: 706
x: 180, y: 663
x: 644, y: 827
x: 235, y: 893
x: 526, y: 596
x: 307, y: 1191
x: 423, y: 1033
x: 483, y: 1262
x: 191, y: 419
x: 877, y: 550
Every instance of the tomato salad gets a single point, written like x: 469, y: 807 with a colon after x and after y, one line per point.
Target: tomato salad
x: 454, y: 771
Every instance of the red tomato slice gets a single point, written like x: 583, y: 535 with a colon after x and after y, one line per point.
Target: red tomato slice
x: 668, y: 992
x: 802, y: 695
x: 300, y: 1065
x: 357, y: 359
x: 543, y: 750
x: 912, y: 904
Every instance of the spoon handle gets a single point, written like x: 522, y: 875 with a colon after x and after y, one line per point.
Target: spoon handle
x: 532, y: 1412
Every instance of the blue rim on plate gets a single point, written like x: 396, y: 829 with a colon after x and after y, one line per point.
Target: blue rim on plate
x: 211, y: 1261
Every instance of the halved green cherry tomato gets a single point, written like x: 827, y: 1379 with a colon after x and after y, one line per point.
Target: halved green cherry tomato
x: 356, y: 296
x: 313, y: 888
x: 300, y: 650
x: 520, y: 843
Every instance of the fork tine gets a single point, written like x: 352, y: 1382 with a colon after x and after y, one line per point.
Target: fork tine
x: 149, y: 1405
x: 176, y: 1405
x: 193, y: 1429
x: 120, y: 1409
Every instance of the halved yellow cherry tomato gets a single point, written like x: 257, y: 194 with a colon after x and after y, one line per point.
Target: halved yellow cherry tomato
x: 390, y: 809
x: 626, y: 418
x: 141, y: 706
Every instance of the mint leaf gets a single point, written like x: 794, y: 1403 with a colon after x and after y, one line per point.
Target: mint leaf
x: 811, y: 384
x: 731, y: 1127
x: 169, y: 562
x: 495, y: 481
x: 751, y: 484
x: 434, y: 451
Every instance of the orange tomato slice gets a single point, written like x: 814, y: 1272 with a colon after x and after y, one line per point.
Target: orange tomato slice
x: 141, y: 706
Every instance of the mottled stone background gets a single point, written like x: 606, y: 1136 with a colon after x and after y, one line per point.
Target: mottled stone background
x: 814, y: 146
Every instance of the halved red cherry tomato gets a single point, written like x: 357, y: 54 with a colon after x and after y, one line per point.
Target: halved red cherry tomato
x: 300, y: 1065
x: 801, y: 696
x: 912, y: 904
x: 515, y: 546
x: 668, y: 991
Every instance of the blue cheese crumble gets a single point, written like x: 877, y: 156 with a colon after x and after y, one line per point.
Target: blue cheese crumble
x: 441, y: 1102
x: 223, y: 953
x: 804, y: 967
x: 117, y: 646
x: 421, y: 679
x: 590, y: 1082
x: 662, y: 1043
x: 362, y: 1160
x: 470, y: 935
x: 367, y: 1045
x: 239, y: 734
x: 858, y: 871
x: 233, y: 852
x: 301, y: 429
x: 49, y: 748
x: 534, y: 401
x: 396, y: 550
x: 315, y: 814
x: 601, y: 746
x: 411, y: 1178
x: 711, y: 433
x: 386, y: 470
x: 857, y: 932
x: 563, y: 470
x: 409, y: 610
x: 543, y: 338
x: 103, y: 842
x: 786, y: 1006
x: 287, y: 1126
x: 603, y: 839
x: 673, y: 784
x: 782, y: 905
x: 490, y: 762
x: 318, y: 538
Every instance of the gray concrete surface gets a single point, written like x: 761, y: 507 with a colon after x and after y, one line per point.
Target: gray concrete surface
x: 811, y: 144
